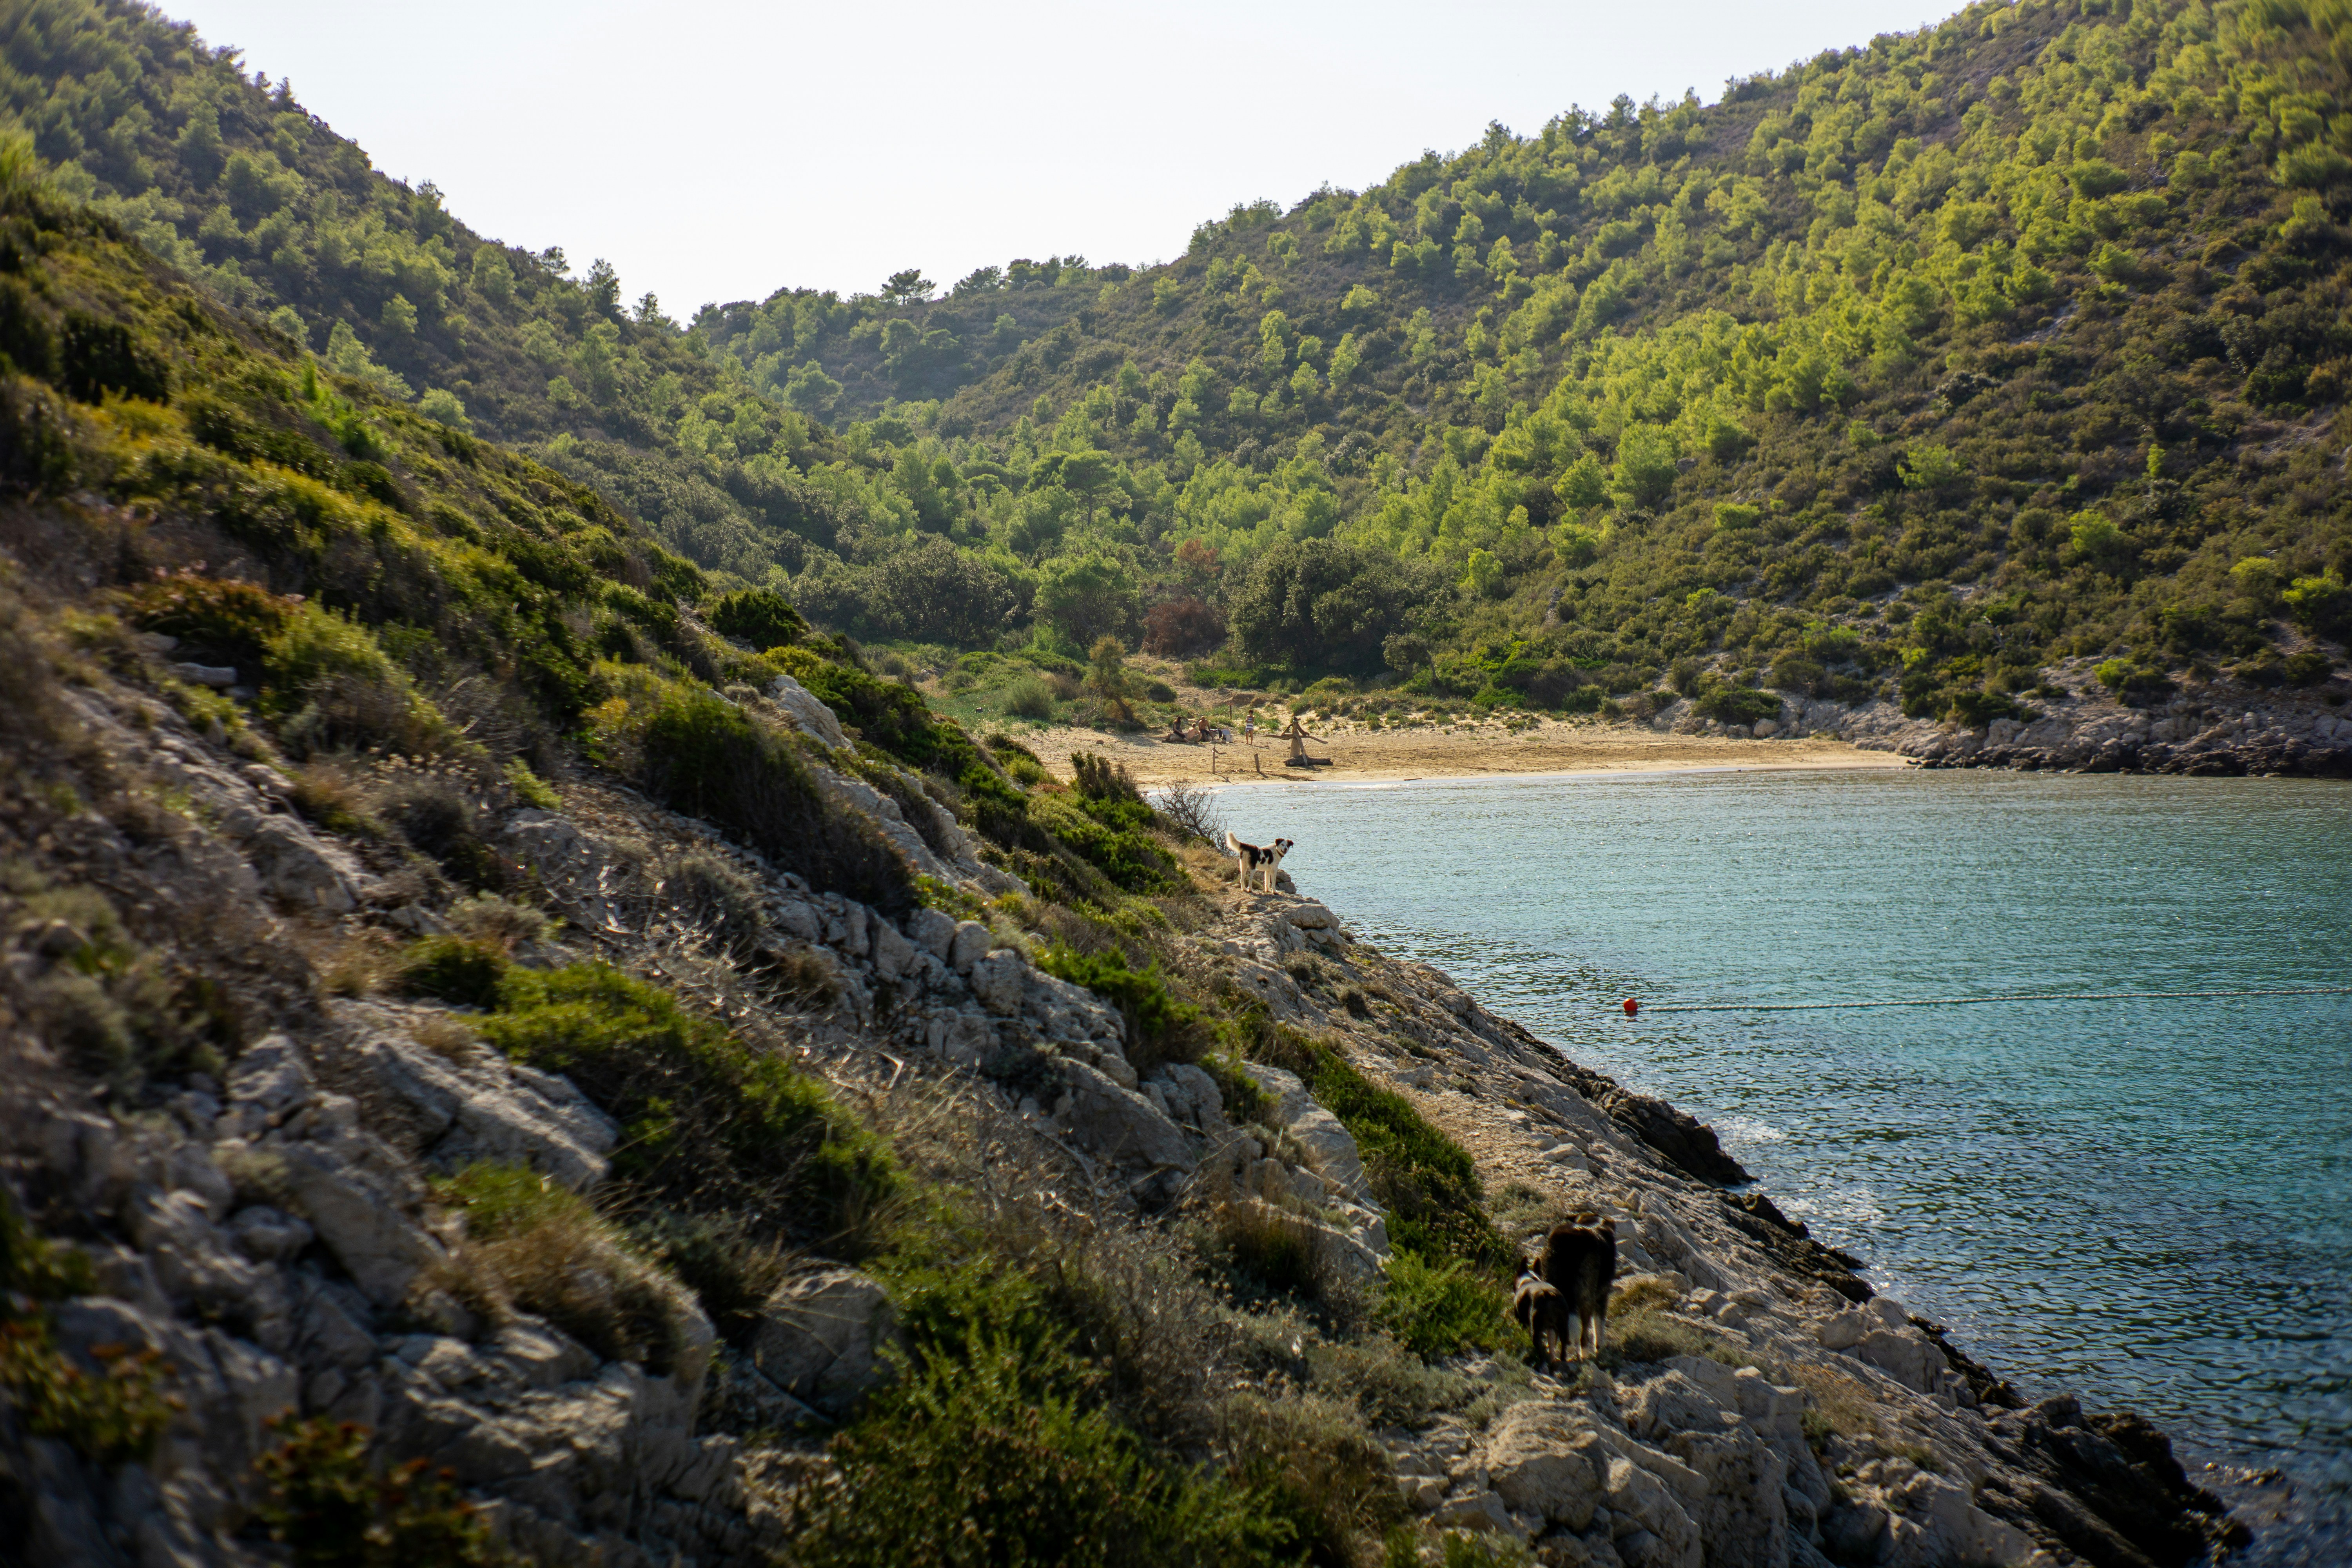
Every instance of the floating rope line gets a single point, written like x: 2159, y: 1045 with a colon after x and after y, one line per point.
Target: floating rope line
x: 1977, y: 1001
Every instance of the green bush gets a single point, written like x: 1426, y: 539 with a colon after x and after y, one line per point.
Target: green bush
x: 700, y: 754
x: 329, y: 1509
x: 2323, y: 604
x: 2127, y: 678
x: 1120, y: 848
x: 1427, y: 1182
x: 1737, y: 704
x: 760, y: 616
x: 460, y: 971
x: 229, y: 621
x: 1029, y: 697
x: 1437, y: 1309
x: 708, y: 1122
x: 537, y: 1245
x: 1159, y: 1029
x: 993, y: 1455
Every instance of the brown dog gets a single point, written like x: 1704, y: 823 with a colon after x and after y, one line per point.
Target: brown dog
x: 1580, y: 1262
x: 1537, y: 1308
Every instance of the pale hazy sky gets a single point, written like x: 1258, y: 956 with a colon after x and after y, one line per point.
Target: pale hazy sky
x: 723, y: 150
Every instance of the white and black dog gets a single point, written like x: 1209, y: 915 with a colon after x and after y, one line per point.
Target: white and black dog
x: 1257, y: 858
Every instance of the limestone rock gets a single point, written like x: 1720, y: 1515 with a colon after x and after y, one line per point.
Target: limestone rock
x: 1540, y: 1458
x: 297, y: 869
x: 969, y: 946
x: 1741, y: 1517
x: 489, y: 1109
x: 1641, y: 1504
x: 821, y: 1339
x: 808, y: 713
x: 1118, y: 1124
x: 1333, y: 1150
x: 933, y: 931
x: 381, y: 1247
x: 998, y: 981
x: 1283, y: 1087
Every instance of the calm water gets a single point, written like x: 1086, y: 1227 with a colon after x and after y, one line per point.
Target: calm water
x: 2146, y: 1201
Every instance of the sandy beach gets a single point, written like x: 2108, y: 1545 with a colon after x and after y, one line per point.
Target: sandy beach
x: 1459, y: 750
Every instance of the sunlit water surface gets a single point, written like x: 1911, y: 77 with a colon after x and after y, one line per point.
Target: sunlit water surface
x: 2149, y: 1202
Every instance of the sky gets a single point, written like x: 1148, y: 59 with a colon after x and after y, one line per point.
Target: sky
x: 720, y: 150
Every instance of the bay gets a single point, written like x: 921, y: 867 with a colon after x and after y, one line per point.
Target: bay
x: 2146, y: 1201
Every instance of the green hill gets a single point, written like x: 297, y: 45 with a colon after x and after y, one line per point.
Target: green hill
x: 1902, y: 370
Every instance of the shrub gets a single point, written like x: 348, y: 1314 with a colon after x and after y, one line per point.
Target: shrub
x: 2322, y: 604
x: 461, y: 971
x: 1737, y: 704
x: 1192, y: 812
x: 2127, y: 678
x: 730, y: 1267
x: 530, y: 788
x: 706, y: 1121
x: 1029, y: 697
x: 233, y: 622
x: 1437, y: 1309
x: 330, y: 1509
x: 1111, y: 840
x: 1159, y: 1029
x: 702, y: 755
x: 1427, y: 1182
x: 1179, y: 628
x: 497, y: 923
x: 759, y: 616
x: 537, y: 1245
x: 1974, y: 709
x: 993, y: 1455
x: 111, y: 1413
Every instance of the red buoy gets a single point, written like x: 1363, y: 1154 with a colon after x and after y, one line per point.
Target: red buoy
x: 1632, y: 1006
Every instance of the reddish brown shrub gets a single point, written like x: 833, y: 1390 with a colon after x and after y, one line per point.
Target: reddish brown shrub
x: 1176, y: 627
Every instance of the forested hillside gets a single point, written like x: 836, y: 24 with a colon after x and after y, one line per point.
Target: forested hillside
x: 1906, y: 370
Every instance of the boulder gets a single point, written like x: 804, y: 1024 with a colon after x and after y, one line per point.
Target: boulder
x: 1333, y: 1150
x: 1285, y: 1089
x: 1743, y: 1521
x: 999, y: 981
x: 1542, y: 1459
x: 1641, y: 1504
x: 1118, y: 1124
x: 1678, y: 1402
x: 821, y: 1336
x: 379, y: 1246
x: 894, y: 955
x: 968, y: 947
x: 1910, y: 1357
x: 487, y: 1108
x: 295, y: 868
x: 808, y: 714
x: 933, y: 931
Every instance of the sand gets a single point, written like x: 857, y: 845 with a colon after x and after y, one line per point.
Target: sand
x: 1464, y: 749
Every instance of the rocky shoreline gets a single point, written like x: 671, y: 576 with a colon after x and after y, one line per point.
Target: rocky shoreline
x: 264, y: 1233
x: 2210, y: 730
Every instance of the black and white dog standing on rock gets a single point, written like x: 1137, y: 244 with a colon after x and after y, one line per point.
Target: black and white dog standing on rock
x: 1258, y: 858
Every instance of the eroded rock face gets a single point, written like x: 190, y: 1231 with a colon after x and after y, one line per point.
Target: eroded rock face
x: 1118, y: 1124
x: 483, y: 1107
x: 821, y: 1336
x: 1542, y: 1459
x: 809, y: 714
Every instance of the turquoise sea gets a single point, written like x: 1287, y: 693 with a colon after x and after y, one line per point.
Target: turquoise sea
x: 2146, y: 1201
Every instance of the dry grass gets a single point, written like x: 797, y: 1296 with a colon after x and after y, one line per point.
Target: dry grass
x: 445, y: 1035
x: 500, y: 921
x: 1841, y: 1405
x: 534, y: 1246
